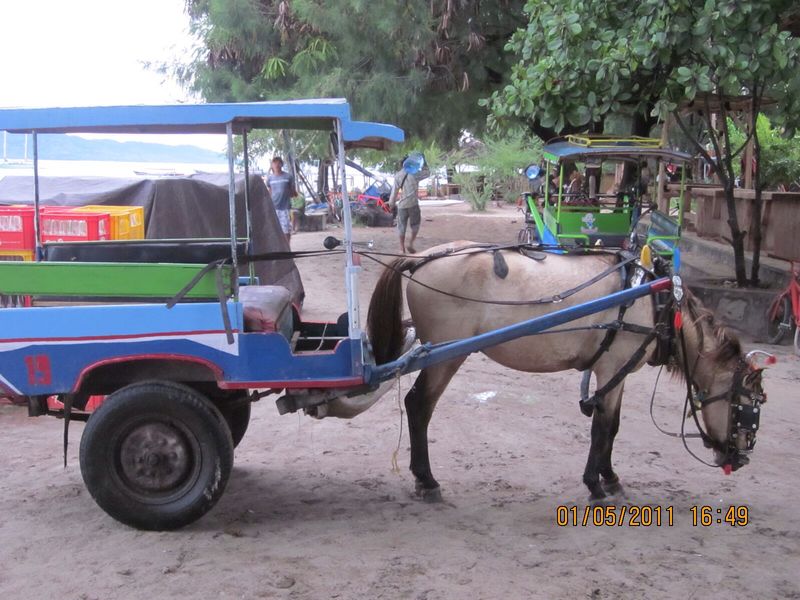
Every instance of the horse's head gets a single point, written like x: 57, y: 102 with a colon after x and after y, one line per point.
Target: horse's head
x: 729, y: 396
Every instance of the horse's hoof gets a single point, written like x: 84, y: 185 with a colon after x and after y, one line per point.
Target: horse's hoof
x: 586, y: 408
x: 430, y: 495
x: 595, y: 501
x: 613, y: 487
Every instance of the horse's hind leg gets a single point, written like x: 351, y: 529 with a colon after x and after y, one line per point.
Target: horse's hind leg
x: 605, y: 424
x: 420, y: 402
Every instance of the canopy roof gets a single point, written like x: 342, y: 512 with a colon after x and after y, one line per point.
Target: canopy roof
x: 610, y: 149
x: 320, y: 114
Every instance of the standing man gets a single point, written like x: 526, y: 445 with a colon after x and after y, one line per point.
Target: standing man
x: 405, y: 196
x: 281, y: 191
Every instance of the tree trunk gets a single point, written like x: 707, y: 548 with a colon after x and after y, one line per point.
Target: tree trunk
x: 737, y: 236
x: 758, y: 204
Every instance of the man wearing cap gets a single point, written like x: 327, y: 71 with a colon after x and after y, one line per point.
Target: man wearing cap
x: 281, y: 191
x: 405, y: 196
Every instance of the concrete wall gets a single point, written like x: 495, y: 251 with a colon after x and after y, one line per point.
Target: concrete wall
x: 742, y: 310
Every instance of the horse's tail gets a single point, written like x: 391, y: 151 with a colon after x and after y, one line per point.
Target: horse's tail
x: 385, y: 316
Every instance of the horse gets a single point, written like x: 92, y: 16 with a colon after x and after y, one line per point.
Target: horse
x: 458, y: 290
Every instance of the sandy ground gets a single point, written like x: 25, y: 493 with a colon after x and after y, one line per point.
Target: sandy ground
x: 314, y: 510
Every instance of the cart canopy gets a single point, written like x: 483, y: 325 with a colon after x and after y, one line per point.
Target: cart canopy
x: 320, y: 114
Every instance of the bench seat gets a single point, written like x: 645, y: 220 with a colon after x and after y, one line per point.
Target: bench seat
x: 186, y: 251
x: 663, y: 234
x: 267, y: 308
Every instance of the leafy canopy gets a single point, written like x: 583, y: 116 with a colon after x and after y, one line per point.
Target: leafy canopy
x: 579, y: 61
x: 420, y: 64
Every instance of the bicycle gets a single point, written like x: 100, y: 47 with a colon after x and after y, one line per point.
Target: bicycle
x: 783, y: 314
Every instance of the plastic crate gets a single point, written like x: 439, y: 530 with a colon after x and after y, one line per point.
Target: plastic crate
x: 16, y: 228
x: 65, y: 225
x: 127, y: 222
x: 16, y: 255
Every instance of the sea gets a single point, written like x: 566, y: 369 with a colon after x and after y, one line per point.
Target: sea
x: 108, y: 168
x: 149, y: 170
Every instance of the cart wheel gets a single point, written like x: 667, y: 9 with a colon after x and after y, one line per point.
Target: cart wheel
x: 797, y: 341
x: 156, y: 455
x: 237, y: 416
x: 779, y: 319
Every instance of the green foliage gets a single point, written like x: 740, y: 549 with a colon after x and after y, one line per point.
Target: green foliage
x: 473, y: 189
x: 420, y: 64
x: 499, y: 160
x: 780, y: 154
x: 579, y: 61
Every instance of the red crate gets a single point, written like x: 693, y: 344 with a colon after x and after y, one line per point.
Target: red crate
x: 65, y: 225
x: 16, y: 228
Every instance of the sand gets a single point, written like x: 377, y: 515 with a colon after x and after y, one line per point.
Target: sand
x: 314, y: 510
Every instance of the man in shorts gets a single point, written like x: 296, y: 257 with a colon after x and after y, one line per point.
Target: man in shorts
x: 281, y: 191
x: 404, y: 195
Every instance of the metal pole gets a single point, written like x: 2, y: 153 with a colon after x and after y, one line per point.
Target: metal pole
x: 661, y: 203
x: 37, y: 235
x: 248, y: 208
x: 682, y: 197
x: 351, y: 271
x: 428, y: 355
x: 232, y: 198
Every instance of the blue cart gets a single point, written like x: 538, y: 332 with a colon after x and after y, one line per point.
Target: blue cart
x: 179, y: 377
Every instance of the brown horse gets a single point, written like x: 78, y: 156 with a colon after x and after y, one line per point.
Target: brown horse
x: 452, y: 297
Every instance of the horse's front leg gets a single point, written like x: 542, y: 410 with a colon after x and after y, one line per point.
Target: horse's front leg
x: 420, y: 402
x: 605, y: 425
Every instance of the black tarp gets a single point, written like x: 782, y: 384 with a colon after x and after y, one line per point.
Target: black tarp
x: 175, y: 207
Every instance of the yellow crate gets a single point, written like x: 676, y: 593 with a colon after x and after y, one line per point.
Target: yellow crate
x: 127, y: 222
x: 16, y: 255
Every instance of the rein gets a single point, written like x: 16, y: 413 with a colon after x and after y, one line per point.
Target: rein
x: 554, y: 299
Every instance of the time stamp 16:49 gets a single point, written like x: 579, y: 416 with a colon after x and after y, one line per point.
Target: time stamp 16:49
x: 649, y: 516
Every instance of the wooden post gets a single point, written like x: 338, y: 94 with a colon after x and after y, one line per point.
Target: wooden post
x: 747, y: 171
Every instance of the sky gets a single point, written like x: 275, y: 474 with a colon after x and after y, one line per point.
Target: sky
x: 92, y: 52
x: 89, y: 52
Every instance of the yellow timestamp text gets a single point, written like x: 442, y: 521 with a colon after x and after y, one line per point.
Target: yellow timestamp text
x: 626, y: 515
x: 615, y: 516
x: 706, y: 516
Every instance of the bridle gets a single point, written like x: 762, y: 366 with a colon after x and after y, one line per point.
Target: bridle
x: 743, y: 417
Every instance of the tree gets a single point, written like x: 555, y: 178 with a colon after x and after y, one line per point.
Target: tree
x: 780, y: 155
x: 580, y: 61
x: 421, y: 64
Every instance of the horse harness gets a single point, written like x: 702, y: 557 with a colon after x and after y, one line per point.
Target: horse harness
x: 667, y: 332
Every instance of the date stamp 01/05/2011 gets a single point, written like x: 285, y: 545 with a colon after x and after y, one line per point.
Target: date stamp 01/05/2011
x: 625, y: 515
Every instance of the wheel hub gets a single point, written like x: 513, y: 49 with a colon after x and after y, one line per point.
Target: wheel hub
x: 155, y: 457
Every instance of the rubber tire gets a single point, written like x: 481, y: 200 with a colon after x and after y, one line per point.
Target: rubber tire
x: 797, y: 341
x: 776, y: 332
x: 237, y: 417
x: 179, y: 408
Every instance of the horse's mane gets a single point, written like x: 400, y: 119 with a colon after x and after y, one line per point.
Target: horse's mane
x: 727, y: 347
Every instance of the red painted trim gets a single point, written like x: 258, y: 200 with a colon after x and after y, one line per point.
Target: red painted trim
x: 663, y: 284
x: 126, y: 336
x: 137, y: 357
x: 291, y: 385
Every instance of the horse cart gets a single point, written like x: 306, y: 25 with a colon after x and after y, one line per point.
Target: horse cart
x: 180, y: 350
x: 595, y: 189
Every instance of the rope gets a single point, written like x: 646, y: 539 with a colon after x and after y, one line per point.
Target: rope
x: 395, y: 466
x: 546, y: 300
